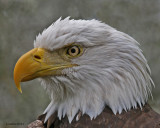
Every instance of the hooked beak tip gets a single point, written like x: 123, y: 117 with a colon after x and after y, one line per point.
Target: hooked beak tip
x: 20, y: 90
x: 19, y: 87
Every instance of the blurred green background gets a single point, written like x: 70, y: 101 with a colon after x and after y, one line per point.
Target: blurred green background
x: 22, y: 20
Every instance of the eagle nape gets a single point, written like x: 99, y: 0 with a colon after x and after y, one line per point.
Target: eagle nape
x: 89, y: 67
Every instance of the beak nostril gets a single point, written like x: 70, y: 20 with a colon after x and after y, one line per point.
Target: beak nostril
x: 37, y: 57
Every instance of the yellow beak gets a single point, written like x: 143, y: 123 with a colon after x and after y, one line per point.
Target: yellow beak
x: 39, y: 63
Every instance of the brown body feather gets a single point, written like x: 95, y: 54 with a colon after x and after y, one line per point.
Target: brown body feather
x: 135, y: 118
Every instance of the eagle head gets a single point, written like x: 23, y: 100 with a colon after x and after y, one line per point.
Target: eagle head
x: 85, y: 65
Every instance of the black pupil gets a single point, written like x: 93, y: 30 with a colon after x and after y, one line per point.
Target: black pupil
x: 73, y: 50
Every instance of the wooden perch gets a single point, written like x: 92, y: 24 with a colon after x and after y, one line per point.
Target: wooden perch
x: 135, y: 118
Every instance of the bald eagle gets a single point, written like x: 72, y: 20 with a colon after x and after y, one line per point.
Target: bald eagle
x: 85, y: 65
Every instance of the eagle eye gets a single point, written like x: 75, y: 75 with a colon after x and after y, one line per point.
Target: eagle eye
x: 73, y: 51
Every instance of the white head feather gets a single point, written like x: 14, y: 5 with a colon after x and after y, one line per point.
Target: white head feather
x: 112, y: 70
